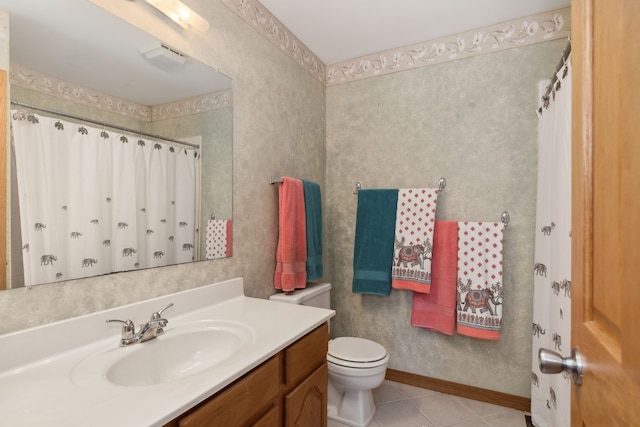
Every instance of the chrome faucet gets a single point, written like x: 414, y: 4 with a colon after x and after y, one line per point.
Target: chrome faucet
x: 147, y: 331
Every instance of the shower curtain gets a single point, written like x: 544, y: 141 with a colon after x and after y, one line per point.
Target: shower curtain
x: 95, y: 202
x: 551, y: 394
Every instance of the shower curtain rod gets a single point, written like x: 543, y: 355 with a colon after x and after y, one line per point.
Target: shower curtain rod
x: 133, y: 131
x: 563, y: 60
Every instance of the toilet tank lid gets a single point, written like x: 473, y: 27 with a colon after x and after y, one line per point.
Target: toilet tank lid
x: 299, y: 296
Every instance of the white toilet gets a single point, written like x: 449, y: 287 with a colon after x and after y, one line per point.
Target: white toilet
x: 356, y: 365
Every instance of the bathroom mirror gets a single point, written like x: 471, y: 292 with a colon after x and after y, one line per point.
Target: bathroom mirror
x: 72, y: 57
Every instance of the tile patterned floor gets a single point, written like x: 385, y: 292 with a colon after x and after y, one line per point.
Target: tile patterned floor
x: 401, y: 405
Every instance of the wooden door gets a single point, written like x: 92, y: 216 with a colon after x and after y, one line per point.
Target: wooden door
x: 606, y: 211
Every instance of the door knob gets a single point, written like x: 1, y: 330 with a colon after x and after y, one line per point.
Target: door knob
x: 553, y: 363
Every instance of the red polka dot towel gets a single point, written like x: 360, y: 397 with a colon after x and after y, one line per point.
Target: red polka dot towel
x: 415, y: 221
x: 480, y: 279
x: 218, y: 239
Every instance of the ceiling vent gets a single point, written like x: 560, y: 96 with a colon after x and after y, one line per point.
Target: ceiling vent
x: 163, y: 56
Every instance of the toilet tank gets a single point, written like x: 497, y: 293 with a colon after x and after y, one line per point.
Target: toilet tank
x: 314, y: 295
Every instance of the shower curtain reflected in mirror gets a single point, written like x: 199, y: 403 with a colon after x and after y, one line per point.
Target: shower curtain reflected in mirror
x: 551, y: 394
x: 94, y: 201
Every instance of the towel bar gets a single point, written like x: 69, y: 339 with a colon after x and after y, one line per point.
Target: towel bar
x: 442, y: 184
x: 504, y: 218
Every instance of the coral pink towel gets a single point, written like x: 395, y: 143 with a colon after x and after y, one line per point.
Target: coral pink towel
x: 480, y: 279
x: 229, y: 241
x: 291, y: 257
x: 437, y: 310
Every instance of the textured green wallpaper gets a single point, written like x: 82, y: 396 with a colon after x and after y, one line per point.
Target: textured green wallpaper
x: 278, y: 129
x: 472, y: 121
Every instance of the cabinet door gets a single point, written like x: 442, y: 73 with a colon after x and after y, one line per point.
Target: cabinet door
x: 305, y: 355
x: 271, y: 419
x: 306, y: 405
x: 242, y: 401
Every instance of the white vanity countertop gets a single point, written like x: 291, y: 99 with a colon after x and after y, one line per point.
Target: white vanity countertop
x: 42, y: 370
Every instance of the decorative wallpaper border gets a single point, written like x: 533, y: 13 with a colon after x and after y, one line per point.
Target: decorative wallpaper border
x: 42, y: 83
x: 520, y: 32
x: 199, y: 104
x: 256, y: 15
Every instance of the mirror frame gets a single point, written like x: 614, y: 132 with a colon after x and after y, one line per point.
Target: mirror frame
x: 3, y: 177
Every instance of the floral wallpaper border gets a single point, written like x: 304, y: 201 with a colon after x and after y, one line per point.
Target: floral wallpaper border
x: 520, y: 32
x: 199, y: 104
x: 71, y: 92
x: 259, y: 17
x: 42, y: 83
x: 533, y: 29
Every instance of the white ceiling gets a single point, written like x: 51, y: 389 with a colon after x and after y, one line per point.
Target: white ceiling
x: 76, y: 41
x: 338, y: 30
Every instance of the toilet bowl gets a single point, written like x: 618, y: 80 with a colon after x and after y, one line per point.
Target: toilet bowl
x: 355, y: 365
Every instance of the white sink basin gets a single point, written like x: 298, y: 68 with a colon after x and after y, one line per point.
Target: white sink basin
x: 73, y: 373
x: 178, y: 353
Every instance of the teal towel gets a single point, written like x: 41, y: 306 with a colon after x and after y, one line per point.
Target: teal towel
x: 313, y: 213
x: 373, y: 250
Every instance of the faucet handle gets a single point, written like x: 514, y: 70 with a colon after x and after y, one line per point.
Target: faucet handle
x: 157, y: 317
x: 158, y: 314
x: 128, y: 328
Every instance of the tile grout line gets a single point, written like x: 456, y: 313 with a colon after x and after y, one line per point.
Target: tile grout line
x: 500, y: 411
x: 474, y: 416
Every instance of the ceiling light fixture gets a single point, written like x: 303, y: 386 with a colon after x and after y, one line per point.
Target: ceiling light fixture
x: 180, y: 13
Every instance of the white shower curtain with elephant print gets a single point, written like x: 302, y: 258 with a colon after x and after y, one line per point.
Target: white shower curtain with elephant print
x: 94, y: 201
x: 551, y: 394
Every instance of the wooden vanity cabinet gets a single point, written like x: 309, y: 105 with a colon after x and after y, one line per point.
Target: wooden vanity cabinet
x: 305, y: 384
x: 289, y: 389
x: 306, y: 404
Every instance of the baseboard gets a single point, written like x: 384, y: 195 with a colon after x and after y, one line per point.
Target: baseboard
x: 470, y: 392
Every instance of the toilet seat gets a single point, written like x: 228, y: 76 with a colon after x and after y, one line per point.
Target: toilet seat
x: 356, y: 352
